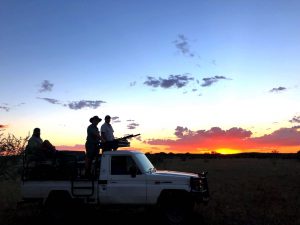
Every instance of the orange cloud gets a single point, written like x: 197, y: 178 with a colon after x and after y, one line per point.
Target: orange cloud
x: 71, y: 148
x: 234, y: 138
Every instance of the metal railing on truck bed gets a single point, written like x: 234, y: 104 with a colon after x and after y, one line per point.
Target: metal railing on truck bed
x: 66, y: 165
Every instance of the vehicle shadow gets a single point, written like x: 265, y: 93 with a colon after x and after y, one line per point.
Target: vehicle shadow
x: 34, y: 214
x: 85, y: 215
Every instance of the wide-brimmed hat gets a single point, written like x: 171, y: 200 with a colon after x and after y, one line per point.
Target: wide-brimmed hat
x: 95, y: 118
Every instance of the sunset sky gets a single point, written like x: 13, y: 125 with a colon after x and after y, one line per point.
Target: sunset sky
x: 189, y: 76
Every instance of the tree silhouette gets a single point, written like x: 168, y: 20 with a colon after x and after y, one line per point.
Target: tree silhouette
x: 11, y: 148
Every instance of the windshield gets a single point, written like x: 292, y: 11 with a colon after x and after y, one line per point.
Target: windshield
x: 146, y: 165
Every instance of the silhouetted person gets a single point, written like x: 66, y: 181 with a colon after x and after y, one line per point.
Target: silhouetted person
x: 92, y: 144
x: 35, y: 140
x: 49, y: 149
x: 37, y: 149
x: 108, y: 141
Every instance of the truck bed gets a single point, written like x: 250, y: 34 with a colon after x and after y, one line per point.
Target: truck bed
x: 65, y: 166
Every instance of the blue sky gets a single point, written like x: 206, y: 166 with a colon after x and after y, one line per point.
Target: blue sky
x: 153, y: 65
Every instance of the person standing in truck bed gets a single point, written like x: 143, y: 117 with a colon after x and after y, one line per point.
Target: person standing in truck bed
x: 92, y: 144
x: 108, y: 141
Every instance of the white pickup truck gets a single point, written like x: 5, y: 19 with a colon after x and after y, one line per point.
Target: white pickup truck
x: 123, y: 177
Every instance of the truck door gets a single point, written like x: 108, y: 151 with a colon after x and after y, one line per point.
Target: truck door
x: 122, y: 187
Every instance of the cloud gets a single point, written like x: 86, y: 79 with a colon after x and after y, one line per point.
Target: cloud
x: 296, y: 119
x: 153, y: 82
x: 184, y: 80
x: 77, y: 147
x: 22, y: 103
x: 139, y: 138
x: 6, y: 108
x: 75, y: 105
x: 210, y: 80
x: 181, y: 131
x: 84, y: 104
x: 280, y: 137
x: 115, y: 119
x: 132, y: 84
x: 46, y: 86
x: 183, y: 46
x: 2, y: 126
x: 177, y: 81
x: 277, y: 89
x: 234, y: 138
x: 205, y: 139
x: 132, y: 126
x: 50, y: 100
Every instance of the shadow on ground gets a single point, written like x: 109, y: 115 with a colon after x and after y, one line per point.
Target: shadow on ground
x: 33, y: 214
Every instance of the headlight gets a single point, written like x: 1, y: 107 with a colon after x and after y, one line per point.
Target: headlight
x: 196, y: 183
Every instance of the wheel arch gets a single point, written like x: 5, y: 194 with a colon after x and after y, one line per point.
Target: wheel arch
x: 57, y: 196
x: 167, y: 194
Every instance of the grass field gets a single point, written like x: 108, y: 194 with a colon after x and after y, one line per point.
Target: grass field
x: 248, y: 191
x: 244, y: 191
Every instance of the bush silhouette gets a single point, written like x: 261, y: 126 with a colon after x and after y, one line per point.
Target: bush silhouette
x: 11, y: 150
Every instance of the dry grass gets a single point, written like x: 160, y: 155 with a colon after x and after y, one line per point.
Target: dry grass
x: 243, y: 192
x: 9, y: 197
x: 247, y: 191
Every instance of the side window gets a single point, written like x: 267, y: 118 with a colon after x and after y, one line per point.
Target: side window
x: 120, y: 165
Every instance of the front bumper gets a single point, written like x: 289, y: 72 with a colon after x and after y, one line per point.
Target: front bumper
x: 199, y: 188
x: 200, y: 196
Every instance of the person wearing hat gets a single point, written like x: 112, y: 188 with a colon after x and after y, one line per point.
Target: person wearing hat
x: 92, y: 144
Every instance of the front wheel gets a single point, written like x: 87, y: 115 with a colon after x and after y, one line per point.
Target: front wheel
x: 177, y: 211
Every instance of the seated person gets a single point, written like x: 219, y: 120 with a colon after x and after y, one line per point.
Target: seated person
x: 37, y: 149
x: 49, y: 149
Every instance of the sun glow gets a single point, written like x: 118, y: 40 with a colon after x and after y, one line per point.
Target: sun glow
x: 225, y: 151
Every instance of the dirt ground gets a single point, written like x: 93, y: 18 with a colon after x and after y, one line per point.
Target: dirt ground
x: 245, y: 191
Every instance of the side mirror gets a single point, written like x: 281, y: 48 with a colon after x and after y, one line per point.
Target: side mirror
x: 133, y: 171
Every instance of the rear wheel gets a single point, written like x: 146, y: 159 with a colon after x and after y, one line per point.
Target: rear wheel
x: 58, y: 207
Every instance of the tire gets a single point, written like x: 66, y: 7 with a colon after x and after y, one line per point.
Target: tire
x: 176, y: 210
x: 58, y: 208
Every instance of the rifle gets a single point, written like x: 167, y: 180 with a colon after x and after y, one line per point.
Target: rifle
x: 120, y: 142
x: 128, y: 136
x: 123, y: 142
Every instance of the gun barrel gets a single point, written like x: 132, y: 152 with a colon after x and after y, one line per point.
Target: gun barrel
x: 129, y: 136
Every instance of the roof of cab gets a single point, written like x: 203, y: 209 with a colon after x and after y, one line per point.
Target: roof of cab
x: 122, y: 152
